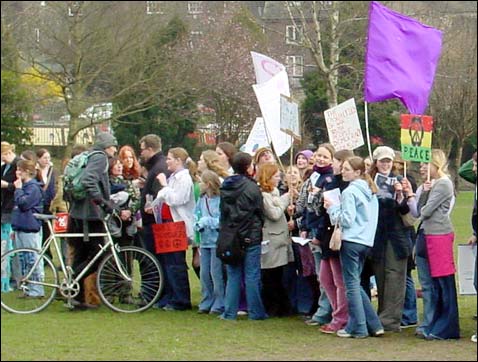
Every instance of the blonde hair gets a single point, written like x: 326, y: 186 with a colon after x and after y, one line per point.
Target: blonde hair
x: 212, y: 179
x: 7, y: 147
x: 329, y: 147
x: 183, y: 155
x: 265, y: 174
x: 212, y: 161
x: 440, y: 161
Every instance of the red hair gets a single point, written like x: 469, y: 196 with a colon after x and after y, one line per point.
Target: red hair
x: 129, y: 173
x: 265, y: 176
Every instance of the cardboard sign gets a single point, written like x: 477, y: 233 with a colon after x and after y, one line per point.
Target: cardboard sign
x: 257, y: 138
x: 289, y: 116
x: 466, y: 269
x: 170, y: 237
x: 343, y: 126
x: 416, y: 137
x: 60, y: 224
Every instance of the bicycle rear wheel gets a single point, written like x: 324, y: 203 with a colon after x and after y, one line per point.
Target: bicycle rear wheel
x: 130, y: 296
x: 31, y: 295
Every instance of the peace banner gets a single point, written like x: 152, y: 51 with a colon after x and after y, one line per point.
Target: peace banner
x: 416, y: 137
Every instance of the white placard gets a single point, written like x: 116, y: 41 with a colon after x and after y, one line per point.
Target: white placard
x: 257, y: 138
x: 265, y: 67
x: 466, y: 269
x: 268, y: 97
x: 343, y: 126
x: 289, y: 116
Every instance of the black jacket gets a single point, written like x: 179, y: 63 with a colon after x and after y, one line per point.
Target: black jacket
x: 242, y: 206
x: 7, y: 193
x: 155, y: 165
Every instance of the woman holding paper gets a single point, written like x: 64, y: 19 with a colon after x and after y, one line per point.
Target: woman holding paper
x: 357, y: 215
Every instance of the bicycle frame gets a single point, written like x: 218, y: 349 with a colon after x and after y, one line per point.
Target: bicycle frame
x: 67, y: 270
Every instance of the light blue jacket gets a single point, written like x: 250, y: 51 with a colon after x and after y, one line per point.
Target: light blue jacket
x: 207, y: 220
x: 357, y: 214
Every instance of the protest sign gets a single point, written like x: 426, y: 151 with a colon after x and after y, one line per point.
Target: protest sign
x: 416, y: 137
x: 343, y: 126
x: 289, y: 117
x: 257, y: 138
x: 170, y: 237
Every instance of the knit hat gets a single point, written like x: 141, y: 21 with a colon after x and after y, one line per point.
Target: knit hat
x: 306, y: 153
x: 104, y: 140
x: 259, y: 153
x: 383, y: 152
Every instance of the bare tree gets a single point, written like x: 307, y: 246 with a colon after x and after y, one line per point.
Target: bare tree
x: 97, y: 52
x: 330, y: 30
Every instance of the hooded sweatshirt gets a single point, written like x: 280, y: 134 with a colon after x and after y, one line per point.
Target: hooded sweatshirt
x: 357, y: 214
x: 241, y: 206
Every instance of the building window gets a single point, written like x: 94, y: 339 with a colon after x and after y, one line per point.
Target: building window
x: 42, y: 3
x: 153, y: 7
x: 295, y: 65
x: 293, y: 35
x: 37, y: 35
x: 194, y: 38
x: 74, y: 9
x: 194, y: 7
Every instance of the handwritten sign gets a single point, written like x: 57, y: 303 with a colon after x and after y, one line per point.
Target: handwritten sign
x: 289, y: 116
x: 60, y: 224
x: 170, y: 237
x: 265, y: 67
x: 416, y: 137
x: 343, y: 126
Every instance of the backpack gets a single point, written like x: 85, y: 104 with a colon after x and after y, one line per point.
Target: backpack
x: 73, y: 189
x: 230, y: 249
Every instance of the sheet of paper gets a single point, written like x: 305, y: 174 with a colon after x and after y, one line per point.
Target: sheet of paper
x: 301, y: 241
x: 333, y: 196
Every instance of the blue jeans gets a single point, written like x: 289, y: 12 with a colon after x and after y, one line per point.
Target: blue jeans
x: 27, y: 259
x: 212, y: 281
x: 409, y: 314
x: 428, y: 290
x: 176, y: 292
x: 362, y: 317
x: 251, y: 267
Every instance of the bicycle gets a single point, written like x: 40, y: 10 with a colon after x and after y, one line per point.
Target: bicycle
x: 129, y: 278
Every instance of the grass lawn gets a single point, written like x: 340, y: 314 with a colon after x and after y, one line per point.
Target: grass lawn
x: 59, y: 334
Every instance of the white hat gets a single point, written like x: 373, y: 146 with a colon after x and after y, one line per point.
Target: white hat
x: 383, y: 152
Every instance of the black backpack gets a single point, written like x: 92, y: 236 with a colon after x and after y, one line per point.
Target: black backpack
x: 230, y: 246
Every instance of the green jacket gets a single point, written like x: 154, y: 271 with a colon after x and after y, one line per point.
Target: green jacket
x: 466, y: 171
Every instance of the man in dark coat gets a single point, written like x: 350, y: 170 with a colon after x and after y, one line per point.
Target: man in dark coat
x: 86, y: 215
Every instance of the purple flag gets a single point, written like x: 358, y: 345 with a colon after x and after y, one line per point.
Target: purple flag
x: 401, y: 59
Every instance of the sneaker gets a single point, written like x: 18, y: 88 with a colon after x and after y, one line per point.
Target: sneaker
x: 203, y: 311
x: 241, y: 312
x: 409, y: 325
x: 312, y: 322
x: 473, y: 338
x: 326, y: 328
x: 344, y: 334
x: 378, y: 333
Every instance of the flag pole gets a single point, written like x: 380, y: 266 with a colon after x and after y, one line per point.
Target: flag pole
x: 368, y: 133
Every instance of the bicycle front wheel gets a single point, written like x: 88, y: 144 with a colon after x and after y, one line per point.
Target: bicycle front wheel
x: 137, y: 294
x: 30, y: 281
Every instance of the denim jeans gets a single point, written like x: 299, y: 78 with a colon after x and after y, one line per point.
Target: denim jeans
x: 212, y: 281
x: 362, y: 317
x: 176, y: 292
x: 26, y: 261
x: 428, y: 290
x: 409, y: 313
x: 251, y: 268
x: 7, y: 244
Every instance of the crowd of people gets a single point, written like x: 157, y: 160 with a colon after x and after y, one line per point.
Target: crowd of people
x: 269, y: 207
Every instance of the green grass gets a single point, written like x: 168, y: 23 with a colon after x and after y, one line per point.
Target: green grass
x: 59, y: 334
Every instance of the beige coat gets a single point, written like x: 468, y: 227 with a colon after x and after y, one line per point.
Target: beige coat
x: 275, y: 230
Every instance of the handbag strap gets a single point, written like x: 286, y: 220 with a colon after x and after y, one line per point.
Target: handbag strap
x: 207, y: 205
